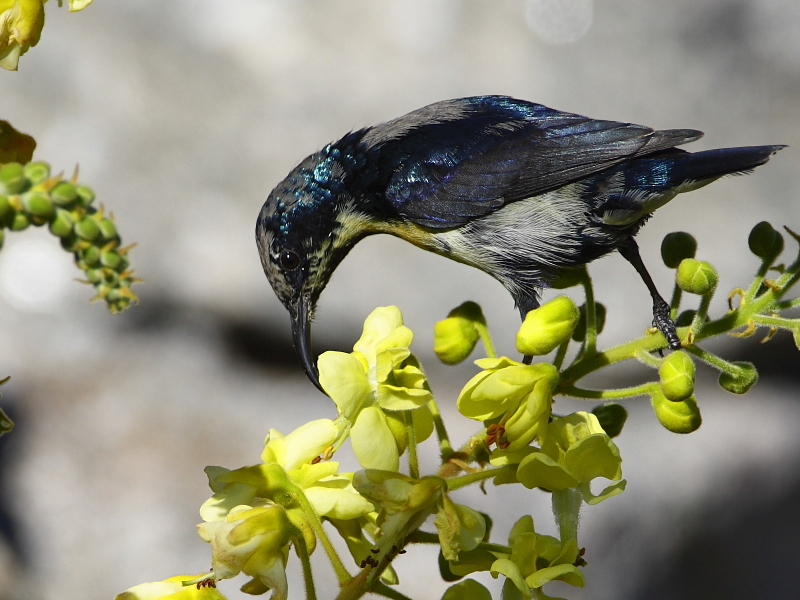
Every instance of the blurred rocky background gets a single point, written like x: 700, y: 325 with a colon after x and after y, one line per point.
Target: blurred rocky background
x: 184, y: 114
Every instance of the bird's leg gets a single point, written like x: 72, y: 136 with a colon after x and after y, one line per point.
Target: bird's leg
x: 661, y: 310
x: 526, y: 304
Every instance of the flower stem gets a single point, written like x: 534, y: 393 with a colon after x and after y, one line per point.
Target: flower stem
x: 483, y: 331
x: 305, y: 560
x: 413, y: 461
x: 445, y: 448
x: 630, y: 392
x: 566, y: 508
x: 381, y: 589
x: 338, y: 566
x: 591, y: 316
x: 713, y: 360
x: 783, y: 323
x: 675, y: 303
x: 562, y: 352
x: 464, y: 480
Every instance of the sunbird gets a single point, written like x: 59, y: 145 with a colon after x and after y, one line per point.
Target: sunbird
x: 516, y: 189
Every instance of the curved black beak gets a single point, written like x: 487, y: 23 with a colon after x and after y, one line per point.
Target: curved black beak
x: 301, y: 334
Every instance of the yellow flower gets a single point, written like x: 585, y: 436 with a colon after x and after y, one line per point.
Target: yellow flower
x: 253, y: 540
x: 21, y: 23
x: 173, y: 589
x: 379, y: 375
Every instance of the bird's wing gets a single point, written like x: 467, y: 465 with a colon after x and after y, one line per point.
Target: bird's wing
x: 452, y: 161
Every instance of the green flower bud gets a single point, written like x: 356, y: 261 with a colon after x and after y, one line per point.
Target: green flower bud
x: 86, y: 194
x: 612, y: 417
x: 745, y: 377
x: 677, y: 417
x: 110, y: 259
x: 5, y: 206
x: 547, y: 327
x: 765, y: 242
x: 91, y: 256
x: 37, y: 204
x: 62, y: 223
x: 677, y: 376
x: 36, y: 171
x: 579, y: 333
x: 696, y: 277
x: 87, y: 229
x: 72, y: 243
x: 124, y: 263
x: 12, y: 177
x: 94, y: 275
x: 64, y: 193
x: 18, y: 222
x: 569, y: 278
x: 677, y: 246
x: 454, y: 339
x: 107, y: 229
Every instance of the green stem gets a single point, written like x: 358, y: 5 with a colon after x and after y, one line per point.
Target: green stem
x: 454, y: 483
x: 786, y: 304
x: 675, y: 303
x: 381, y: 589
x: 566, y: 508
x: 630, y: 392
x: 591, y: 317
x: 489, y: 547
x: 713, y: 360
x: 562, y: 352
x: 445, y: 448
x: 305, y: 560
x: 413, y: 462
x: 338, y: 566
x: 754, y: 287
x: 422, y: 537
x: 648, y: 359
x: 702, y: 312
x: 483, y: 331
x: 783, y: 323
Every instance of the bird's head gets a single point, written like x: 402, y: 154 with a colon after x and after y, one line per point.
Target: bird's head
x: 305, y: 228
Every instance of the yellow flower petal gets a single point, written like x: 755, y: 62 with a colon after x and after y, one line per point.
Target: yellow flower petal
x: 373, y: 442
x: 343, y: 378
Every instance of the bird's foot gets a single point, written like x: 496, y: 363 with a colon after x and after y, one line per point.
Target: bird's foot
x: 663, y: 322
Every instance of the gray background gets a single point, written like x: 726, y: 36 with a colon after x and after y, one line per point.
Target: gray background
x: 184, y: 114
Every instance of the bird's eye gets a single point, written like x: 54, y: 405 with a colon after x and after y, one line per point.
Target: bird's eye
x: 289, y: 260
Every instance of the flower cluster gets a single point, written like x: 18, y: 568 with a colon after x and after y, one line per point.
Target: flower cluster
x: 259, y: 514
x: 30, y: 196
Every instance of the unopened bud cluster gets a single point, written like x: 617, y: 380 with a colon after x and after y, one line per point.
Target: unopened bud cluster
x: 29, y: 196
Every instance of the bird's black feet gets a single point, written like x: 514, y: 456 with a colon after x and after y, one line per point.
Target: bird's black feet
x: 663, y: 322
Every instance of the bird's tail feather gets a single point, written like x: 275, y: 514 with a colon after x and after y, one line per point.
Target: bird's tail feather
x: 711, y: 164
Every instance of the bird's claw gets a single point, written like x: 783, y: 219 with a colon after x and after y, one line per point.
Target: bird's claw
x: 663, y: 322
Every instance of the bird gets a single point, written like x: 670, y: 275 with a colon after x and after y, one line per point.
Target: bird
x: 518, y: 190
